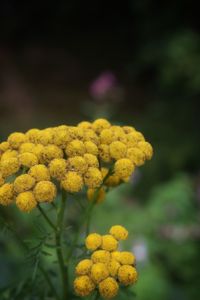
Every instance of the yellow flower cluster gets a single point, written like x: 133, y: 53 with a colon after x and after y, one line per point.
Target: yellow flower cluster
x: 73, y: 155
x: 107, y: 268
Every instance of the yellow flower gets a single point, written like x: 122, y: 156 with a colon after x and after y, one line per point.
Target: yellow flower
x: 136, y: 156
x: 9, y: 154
x: 75, y: 133
x: 75, y: 148
x: 119, y: 232
x: 61, y: 137
x: 147, y: 149
x: 127, y: 258
x: 77, y: 164
x: 118, y: 134
x: 106, y: 136
x: 72, y: 182
x: 83, y: 285
x: 91, y: 148
x: 85, y: 125
x: 38, y: 150
x: 84, y: 267
x: 93, y: 241
x: 28, y: 159
x: 99, y: 272
x: 23, y: 183
x: 45, y: 191
x: 39, y: 172
x: 134, y: 136
x: 15, y: 139
x: 115, y: 255
x: 91, y: 160
x: 93, y: 178
x: 97, y: 195
x: 113, y: 267
x: 4, y: 146
x: 109, y: 243
x: 26, y: 147
x: 127, y: 275
x: 50, y: 152
x: 123, y: 168
x: 117, y: 150
x: 1, y: 180
x: 46, y: 136
x: 9, y: 166
x: 128, y: 129
x: 90, y: 135
x: 6, y: 194
x: 104, y: 153
x: 33, y: 135
x: 100, y: 124
x: 101, y: 256
x: 57, y: 168
x: 108, y: 288
x: 26, y: 201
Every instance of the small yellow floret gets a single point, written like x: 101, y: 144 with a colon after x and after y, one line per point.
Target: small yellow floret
x: 127, y: 258
x: 108, y: 288
x: 72, y: 182
x: 45, y: 191
x: 26, y: 201
x: 136, y: 156
x: 106, y: 136
x: 85, y: 125
x: 90, y: 135
x: 123, y: 168
x: 96, y: 195
x: 84, y: 267
x: 39, y: 172
x: 50, y: 152
x: 9, y: 154
x: 91, y: 160
x: 104, y: 153
x: 23, y: 183
x: 28, y: 159
x: 115, y: 255
x: 77, y: 164
x: 46, y: 136
x: 93, y: 241
x: 147, y: 149
x: 9, y: 166
x: 33, y: 135
x: 128, y: 129
x: 127, y: 275
x: 113, y: 267
x: 99, y: 272
x: 75, y: 148
x: 109, y: 243
x: 83, y: 285
x: 91, y: 148
x: 101, y: 256
x: 4, y: 146
x: 93, y: 178
x: 61, y: 137
x: 15, y: 139
x: 57, y: 168
x: 119, y: 232
x: 26, y: 147
x: 100, y: 124
x: 6, y: 194
x: 117, y: 150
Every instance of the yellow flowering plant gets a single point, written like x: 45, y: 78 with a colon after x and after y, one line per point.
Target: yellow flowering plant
x: 40, y: 168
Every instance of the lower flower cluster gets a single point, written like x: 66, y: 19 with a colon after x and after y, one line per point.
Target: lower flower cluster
x: 107, y: 268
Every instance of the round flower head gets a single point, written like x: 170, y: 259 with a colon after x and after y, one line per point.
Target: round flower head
x: 108, y: 288
x: 57, y: 168
x: 93, y: 178
x: 119, y: 134
x: 100, y: 124
x: 128, y: 129
x: 127, y: 258
x: 26, y: 201
x: 84, y: 267
x: 101, y: 256
x: 123, y: 168
x: 50, y: 152
x: 75, y: 133
x: 46, y: 136
x: 146, y: 148
x: 77, y: 164
x: 15, y: 139
x: 135, y: 136
x: 44, y: 191
x: 90, y: 135
x: 91, y: 160
x: 33, y: 135
x: 38, y: 150
x: 4, y: 146
x: 96, y: 195
x: 85, y: 125
x: 9, y: 154
x: 23, y: 183
x: 106, y: 136
x: 83, y: 285
x: 109, y: 243
x: 93, y: 241
x: 104, y: 153
x: 91, y: 148
x: 39, y: 172
x: 1, y: 180
x: 26, y: 147
x: 9, y: 166
x: 112, y: 180
x: 115, y: 255
x: 127, y: 275
x: 117, y: 150
x: 72, y: 182
x: 119, y: 232
x: 113, y: 267
x: 6, y: 194
x: 28, y: 159
x: 136, y: 156
x: 61, y: 138
x: 75, y: 148
x: 99, y: 272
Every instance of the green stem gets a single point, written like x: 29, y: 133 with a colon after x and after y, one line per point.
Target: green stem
x: 47, y: 218
x: 58, y: 236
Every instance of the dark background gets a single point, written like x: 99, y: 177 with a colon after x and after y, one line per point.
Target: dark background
x: 148, y: 53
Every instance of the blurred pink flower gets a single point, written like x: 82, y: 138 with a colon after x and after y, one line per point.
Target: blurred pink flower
x: 103, y: 84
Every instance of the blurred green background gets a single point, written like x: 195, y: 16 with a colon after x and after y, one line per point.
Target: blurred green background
x: 133, y: 62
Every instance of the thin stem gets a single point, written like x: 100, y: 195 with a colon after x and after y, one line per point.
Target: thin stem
x: 47, y: 218
x: 58, y: 236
